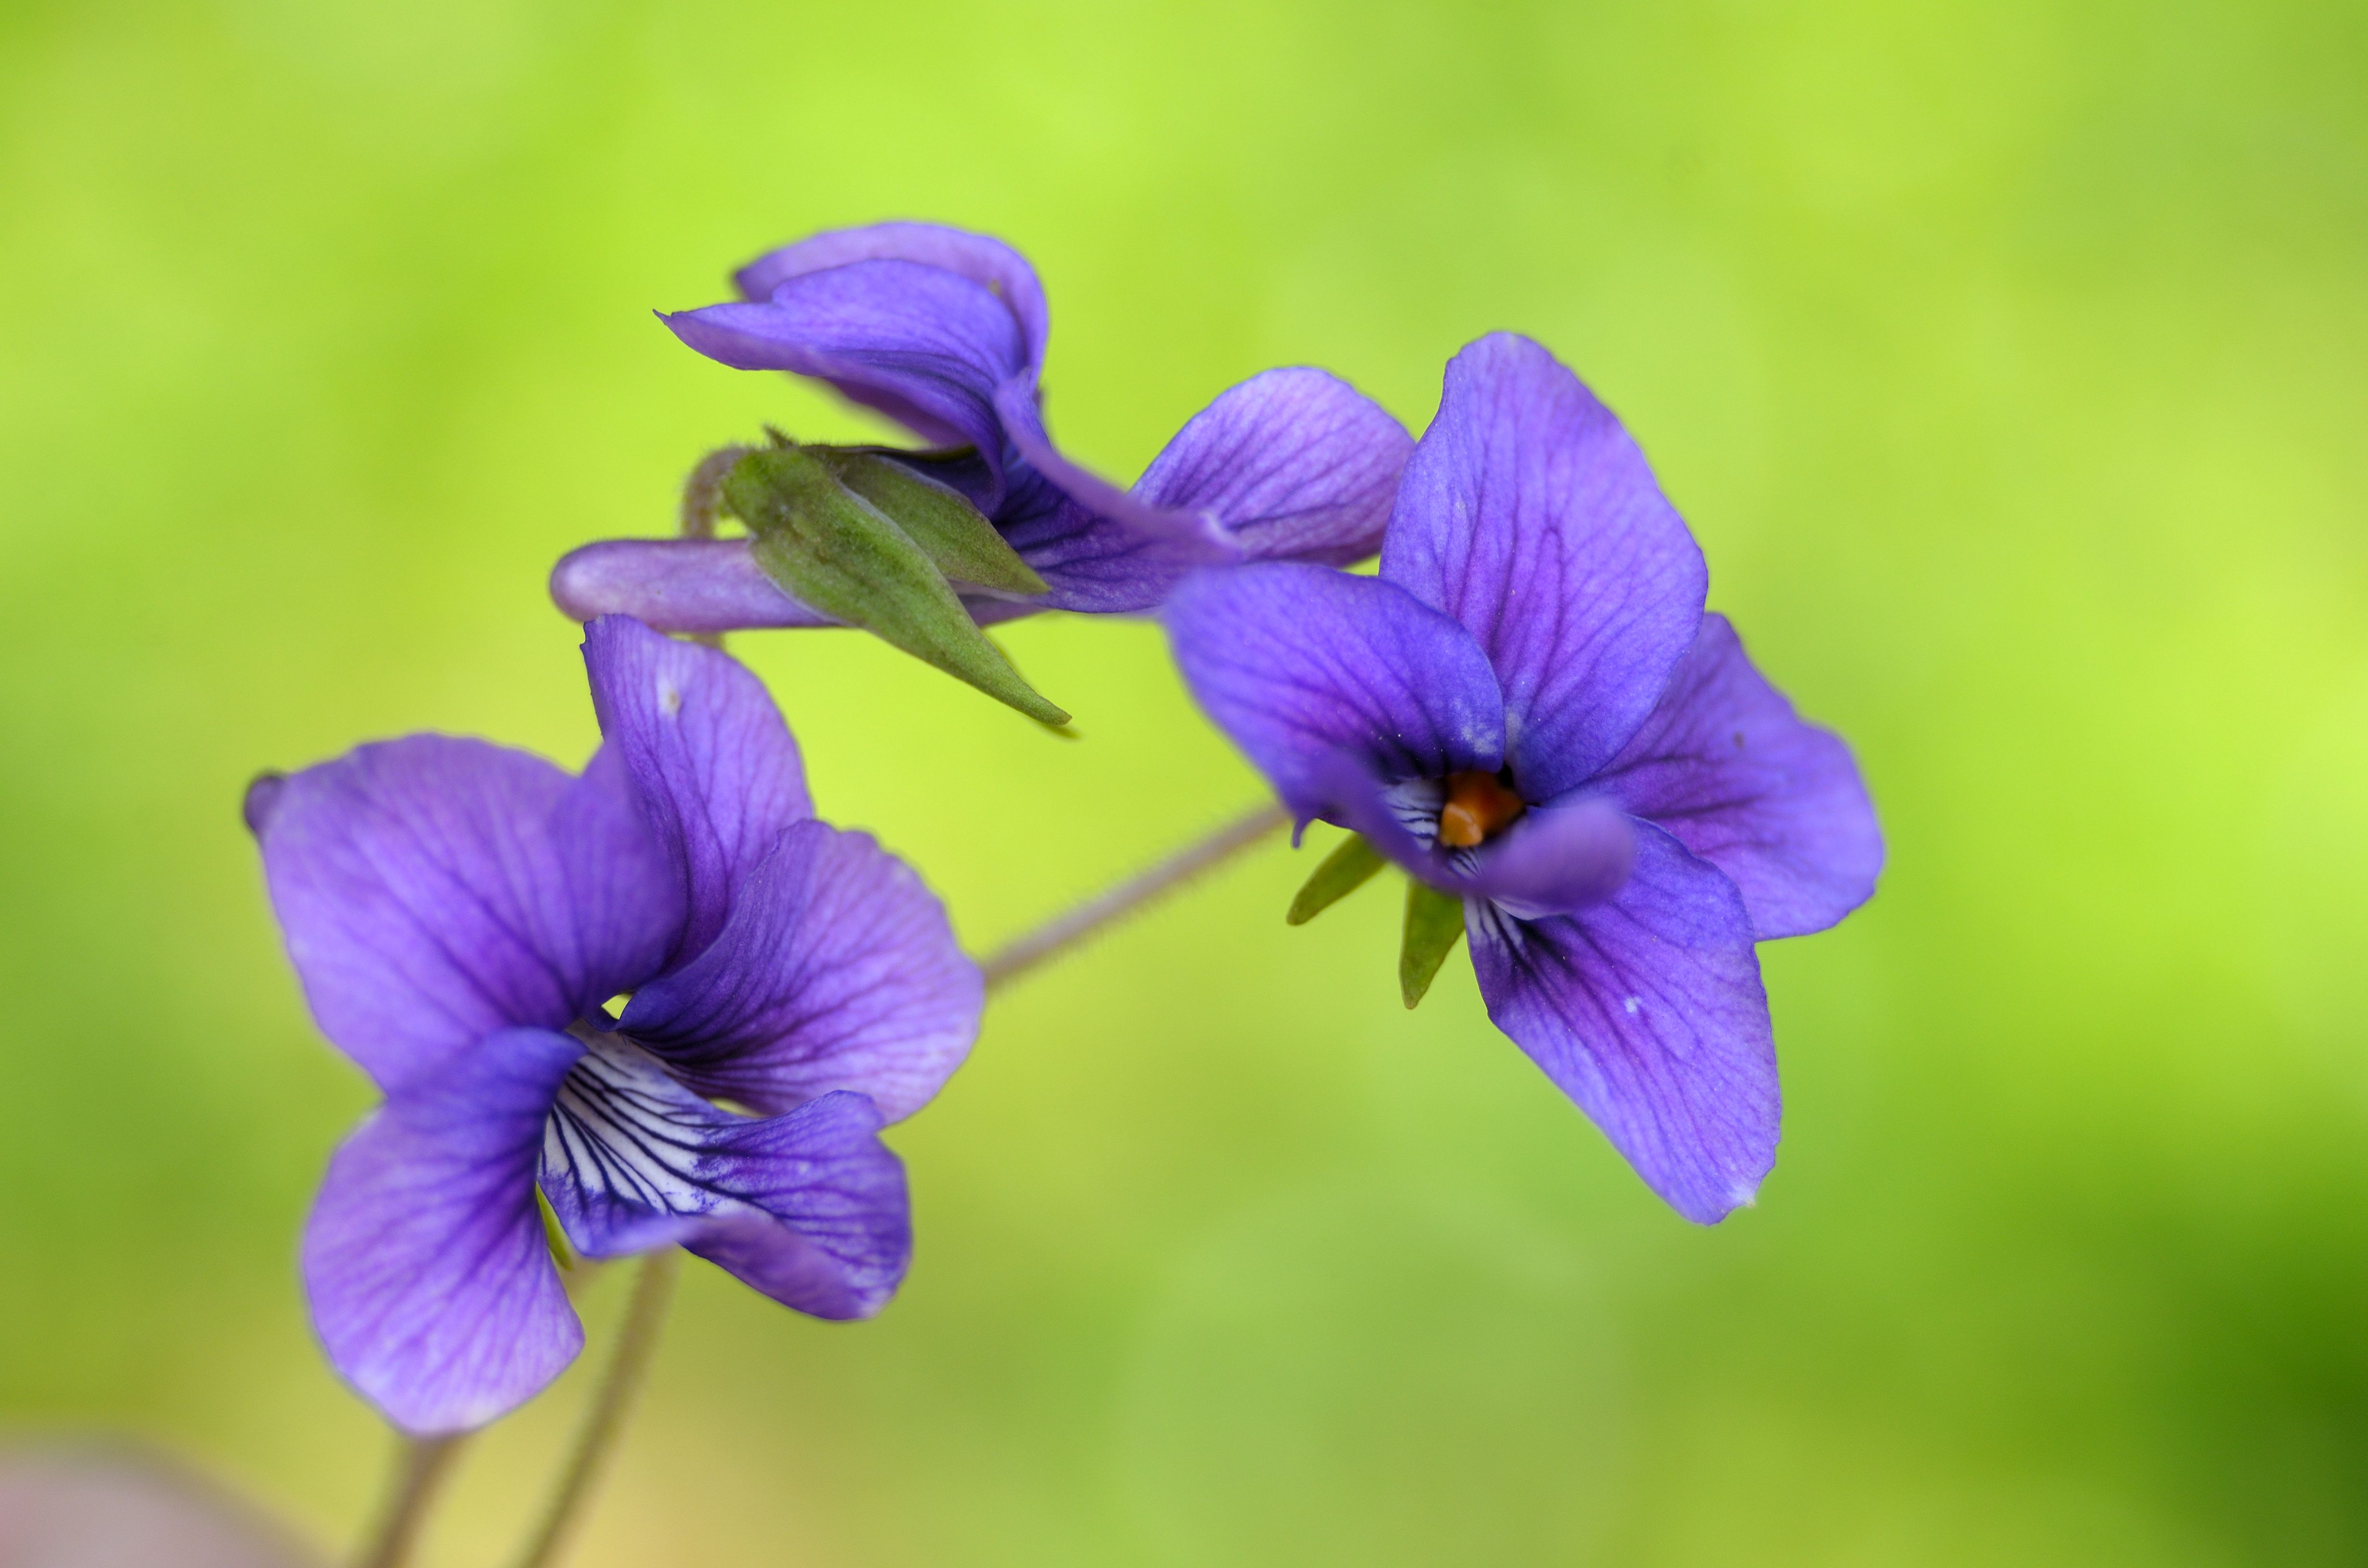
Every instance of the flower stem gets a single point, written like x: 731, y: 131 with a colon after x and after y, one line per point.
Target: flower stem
x: 1057, y: 936
x: 652, y: 1287
x: 702, y: 492
x: 421, y: 1469
x: 702, y: 504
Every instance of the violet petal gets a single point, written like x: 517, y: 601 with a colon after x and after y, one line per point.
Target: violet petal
x: 1096, y: 565
x: 1290, y: 464
x: 1552, y: 861
x: 431, y: 1285
x: 676, y: 584
x: 979, y: 257
x: 718, y: 772
x: 1647, y: 1011
x: 1557, y: 859
x: 1529, y: 514
x: 1293, y: 465
x: 1775, y: 803
x: 809, y: 1206
x: 433, y: 890
x: 926, y: 347
x: 1023, y: 426
x: 837, y: 970
x: 1302, y: 665
x: 707, y: 585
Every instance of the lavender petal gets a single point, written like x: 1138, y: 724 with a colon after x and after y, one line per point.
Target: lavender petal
x: 1023, y: 426
x: 1303, y: 666
x: 807, y: 1206
x: 433, y: 890
x: 1552, y: 861
x: 1775, y: 803
x: 926, y: 347
x: 676, y: 584
x: 837, y: 970
x: 1292, y: 464
x: 1647, y: 1011
x: 1095, y: 565
x: 706, y: 586
x: 979, y: 257
x: 717, y: 771
x: 431, y: 1286
x: 1529, y: 514
x: 1557, y: 859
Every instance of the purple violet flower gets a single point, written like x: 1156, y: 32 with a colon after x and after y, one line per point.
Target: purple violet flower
x: 1529, y: 710
x: 461, y: 914
x: 944, y: 332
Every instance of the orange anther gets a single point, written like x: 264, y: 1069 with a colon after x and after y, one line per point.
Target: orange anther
x: 1477, y: 809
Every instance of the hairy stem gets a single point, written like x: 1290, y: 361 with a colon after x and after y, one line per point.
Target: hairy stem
x: 653, y: 1288
x: 702, y: 504
x: 702, y: 492
x: 1089, y: 919
x: 421, y: 1469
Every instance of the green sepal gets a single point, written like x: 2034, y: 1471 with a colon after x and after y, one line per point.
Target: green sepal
x: 554, y: 1237
x: 835, y: 551
x: 1349, y: 867
x: 1434, y: 923
x: 937, y: 517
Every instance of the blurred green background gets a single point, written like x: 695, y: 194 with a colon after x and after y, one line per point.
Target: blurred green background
x: 2011, y: 361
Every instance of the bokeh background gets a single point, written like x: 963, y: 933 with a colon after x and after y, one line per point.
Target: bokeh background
x: 2011, y: 359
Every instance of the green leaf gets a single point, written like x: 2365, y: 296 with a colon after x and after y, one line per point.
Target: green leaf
x: 835, y: 551
x: 935, y: 516
x: 1434, y: 923
x: 1347, y: 868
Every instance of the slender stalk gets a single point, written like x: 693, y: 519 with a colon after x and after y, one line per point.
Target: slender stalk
x: 702, y: 492
x: 1091, y: 918
x: 644, y: 1315
x: 702, y: 504
x: 421, y: 1469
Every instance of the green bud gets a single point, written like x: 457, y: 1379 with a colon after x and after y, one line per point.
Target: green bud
x: 1434, y: 923
x: 1347, y: 868
x: 835, y: 551
x: 950, y: 530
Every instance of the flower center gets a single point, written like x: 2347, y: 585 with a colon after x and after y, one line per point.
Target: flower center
x: 1478, y: 807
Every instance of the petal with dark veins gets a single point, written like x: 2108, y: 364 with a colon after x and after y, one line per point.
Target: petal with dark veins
x: 837, y: 970
x: 1529, y: 514
x: 808, y: 1208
